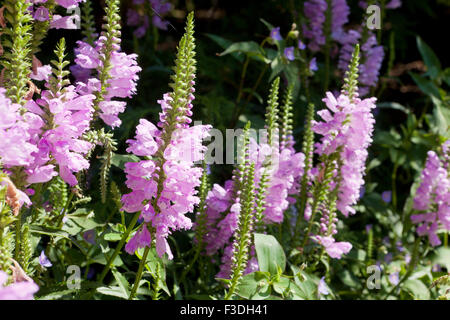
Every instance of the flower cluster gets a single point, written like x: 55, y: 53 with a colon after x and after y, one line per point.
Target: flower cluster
x: 165, y: 211
x: 372, y: 57
x: 348, y: 127
x: 17, y: 131
x: 316, y: 11
x: 432, y: 198
x: 69, y: 116
x: 122, y: 82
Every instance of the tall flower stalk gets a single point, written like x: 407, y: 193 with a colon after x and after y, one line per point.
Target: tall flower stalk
x: 163, y: 189
x: 17, y: 60
x: 246, y: 202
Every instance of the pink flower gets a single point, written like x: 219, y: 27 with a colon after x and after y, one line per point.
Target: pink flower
x: 69, y: 22
x: 43, y: 73
x: 24, y: 290
x: 334, y: 249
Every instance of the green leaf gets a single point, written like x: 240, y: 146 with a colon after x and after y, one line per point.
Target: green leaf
x: 251, y: 48
x: 427, y: 86
x: 119, y: 160
x: 417, y: 289
x: 349, y: 279
x: 442, y: 257
x: 305, y: 285
x: 101, y: 259
x: 430, y: 58
x: 49, y: 232
x: 393, y: 105
x: 224, y: 43
x: 79, y: 223
x: 251, y: 283
x: 113, y: 291
x: 122, y: 282
x: 277, y: 66
x: 282, y: 286
x: 441, y: 117
x: 270, y: 253
x: 267, y: 24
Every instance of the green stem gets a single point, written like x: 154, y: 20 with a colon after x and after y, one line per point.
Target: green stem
x: 241, y: 84
x: 394, y: 185
x: 119, y: 246
x: 139, y: 274
x: 18, y: 235
x: 190, y: 265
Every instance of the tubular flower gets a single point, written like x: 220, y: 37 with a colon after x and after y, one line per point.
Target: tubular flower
x: 122, y: 77
x: 61, y: 144
x: 348, y: 127
x: 433, y: 199
x: 178, y: 195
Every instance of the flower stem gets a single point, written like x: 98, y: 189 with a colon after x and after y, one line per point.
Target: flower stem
x: 139, y: 273
x: 119, y: 246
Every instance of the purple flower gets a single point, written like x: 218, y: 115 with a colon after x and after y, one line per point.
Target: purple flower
x: 362, y: 191
x: 323, y: 289
x: 371, y: 53
x: 407, y: 258
x: 44, y: 261
x: 369, y: 227
x: 386, y: 196
x: 275, y: 34
x: 90, y: 236
x: 394, y: 278
x: 289, y: 53
x: 436, y: 268
x: 313, y: 65
x: 301, y: 45
x: 314, y: 11
x: 394, y: 4
x: 433, y: 199
x: 41, y: 14
x: 122, y: 84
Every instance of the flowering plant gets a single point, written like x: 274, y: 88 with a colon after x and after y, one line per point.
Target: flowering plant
x: 106, y: 168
